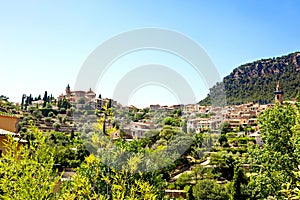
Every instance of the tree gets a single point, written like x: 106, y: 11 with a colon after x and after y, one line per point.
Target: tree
x: 184, y: 126
x: 290, y: 190
x: 239, y: 184
x: 81, y: 100
x: 51, y: 114
x: 64, y: 103
x: 27, y: 171
x: 223, y: 140
x: 99, y: 181
x: 37, y: 113
x: 280, y: 154
x: 45, y: 99
x: 30, y: 99
x: 171, y: 121
x: 23, y: 100
x: 209, y: 190
x: 168, y: 132
x: 4, y: 98
x: 117, y: 169
x: 56, y: 126
x: 196, y: 147
x: 48, y: 119
x: 107, y: 117
x: 225, y: 128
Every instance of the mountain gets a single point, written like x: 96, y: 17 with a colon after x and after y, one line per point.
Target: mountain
x: 256, y: 81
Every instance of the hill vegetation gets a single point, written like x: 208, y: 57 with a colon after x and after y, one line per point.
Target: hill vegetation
x: 256, y: 81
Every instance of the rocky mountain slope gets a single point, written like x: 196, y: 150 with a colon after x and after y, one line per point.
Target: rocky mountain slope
x: 256, y: 81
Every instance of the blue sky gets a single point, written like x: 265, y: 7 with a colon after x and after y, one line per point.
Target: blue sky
x: 43, y: 44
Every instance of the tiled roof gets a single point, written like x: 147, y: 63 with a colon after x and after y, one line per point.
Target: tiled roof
x: 7, y: 114
x: 15, y: 135
x: 5, y: 132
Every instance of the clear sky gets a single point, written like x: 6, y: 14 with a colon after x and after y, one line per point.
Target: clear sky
x: 43, y: 44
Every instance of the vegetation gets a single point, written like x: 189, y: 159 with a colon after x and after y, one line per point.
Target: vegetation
x: 167, y: 157
x: 210, y: 190
x: 279, y: 158
x: 27, y: 171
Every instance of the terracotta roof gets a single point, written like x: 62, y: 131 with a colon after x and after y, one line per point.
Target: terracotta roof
x: 5, y: 132
x: 7, y: 115
x: 15, y: 135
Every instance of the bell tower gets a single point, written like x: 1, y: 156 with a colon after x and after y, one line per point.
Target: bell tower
x: 278, y: 94
x: 68, y: 90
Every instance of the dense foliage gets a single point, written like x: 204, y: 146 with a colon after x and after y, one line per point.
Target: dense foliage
x: 279, y: 159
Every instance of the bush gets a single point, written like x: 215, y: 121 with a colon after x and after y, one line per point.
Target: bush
x: 46, y: 111
x: 37, y: 114
x: 210, y: 190
x: 241, y: 150
x: 49, y: 106
x: 223, y: 140
x: 183, y: 180
x: 64, y: 120
x: 56, y: 126
x: 231, y: 135
x: 62, y: 111
x: 51, y: 114
x: 171, y: 186
x: 59, y: 117
x: 48, y: 119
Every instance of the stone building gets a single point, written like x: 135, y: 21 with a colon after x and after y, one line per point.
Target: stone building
x: 76, y: 96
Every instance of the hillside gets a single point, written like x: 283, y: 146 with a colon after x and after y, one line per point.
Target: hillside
x: 256, y: 81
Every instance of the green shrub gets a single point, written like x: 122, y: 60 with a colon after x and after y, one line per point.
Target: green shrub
x: 48, y: 119
x: 231, y: 135
x: 56, y: 126
x: 210, y: 190
x: 46, y: 111
x: 51, y: 114
x: 171, y: 186
x: 62, y: 111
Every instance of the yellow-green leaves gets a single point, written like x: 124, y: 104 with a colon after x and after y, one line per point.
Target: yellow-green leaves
x: 27, y: 173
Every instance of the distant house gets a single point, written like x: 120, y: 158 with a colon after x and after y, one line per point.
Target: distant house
x: 207, y: 123
x: 9, y: 126
x: 9, y: 123
x: 190, y: 108
x: 192, y: 124
x: 257, y: 137
x: 138, y: 129
x: 174, y: 107
x: 154, y: 107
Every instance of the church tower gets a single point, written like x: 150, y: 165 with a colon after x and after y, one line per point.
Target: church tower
x: 68, y: 90
x: 278, y: 94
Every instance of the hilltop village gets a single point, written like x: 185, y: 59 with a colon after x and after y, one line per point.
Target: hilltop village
x: 73, y: 108
x: 73, y: 105
x: 76, y: 125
